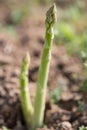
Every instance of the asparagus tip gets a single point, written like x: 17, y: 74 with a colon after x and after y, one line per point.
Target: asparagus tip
x: 51, y: 15
x: 26, y: 59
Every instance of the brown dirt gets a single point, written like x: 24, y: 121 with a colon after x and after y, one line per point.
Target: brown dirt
x: 65, y: 71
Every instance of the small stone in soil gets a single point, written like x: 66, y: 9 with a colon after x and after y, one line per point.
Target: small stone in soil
x: 75, y: 124
x: 65, y: 116
x: 83, y: 120
x: 2, y: 91
x: 65, y: 126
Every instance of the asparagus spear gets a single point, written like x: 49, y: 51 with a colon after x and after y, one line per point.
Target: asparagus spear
x: 44, y: 69
x: 25, y: 96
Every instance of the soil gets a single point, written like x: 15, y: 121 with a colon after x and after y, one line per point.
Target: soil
x: 65, y: 71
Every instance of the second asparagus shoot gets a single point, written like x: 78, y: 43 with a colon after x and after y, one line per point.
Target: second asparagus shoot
x: 25, y: 96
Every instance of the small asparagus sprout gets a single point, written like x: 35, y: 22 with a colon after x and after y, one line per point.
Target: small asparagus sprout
x: 25, y: 96
x: 44, y: 69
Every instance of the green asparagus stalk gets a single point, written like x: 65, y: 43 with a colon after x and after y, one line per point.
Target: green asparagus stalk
x: 25, y: 96
x: 44, y: 69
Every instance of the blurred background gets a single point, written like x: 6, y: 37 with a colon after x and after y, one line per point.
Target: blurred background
x: 70, y: 30
x: 22, y: 29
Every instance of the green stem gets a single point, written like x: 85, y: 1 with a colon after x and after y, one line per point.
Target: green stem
x: 44, y: 69
x: 25, y: 96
